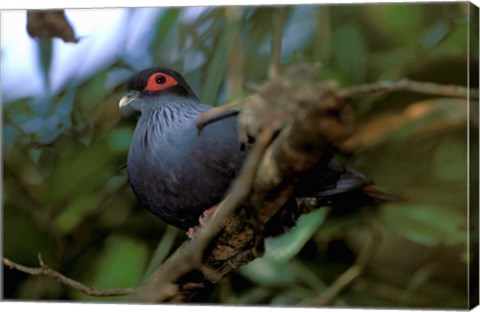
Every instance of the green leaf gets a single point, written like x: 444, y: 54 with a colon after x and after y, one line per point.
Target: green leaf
x: 167, y: 21
x: 274, y: 268
x: 98, y: 88
x: 454, y: 42
x: 308, y: 276
x: 23, y: 239
x: 450, y: 161
x: 264, y: 271
x: 216, y: 71
x: 120, y: 139
x: 74, y: 213
x: 45, y: 53
x: 350, y: 55
x: 435, y: 34
x: 401, y: 21
x: 283, y: 248
x: 120, y: 265
x: 80, y: 170
x: 163, y: 249
x: 426, y: 224
x: 252, y: 296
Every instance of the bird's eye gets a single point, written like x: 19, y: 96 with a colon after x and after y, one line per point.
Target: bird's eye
x: 160, y: 79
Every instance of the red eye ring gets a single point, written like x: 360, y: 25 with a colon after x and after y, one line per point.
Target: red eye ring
x: 160, y: 81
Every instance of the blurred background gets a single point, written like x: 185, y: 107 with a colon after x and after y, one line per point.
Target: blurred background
x: 65, y: 145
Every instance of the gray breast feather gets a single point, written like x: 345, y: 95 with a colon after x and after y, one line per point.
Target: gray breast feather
x: 180, y: 171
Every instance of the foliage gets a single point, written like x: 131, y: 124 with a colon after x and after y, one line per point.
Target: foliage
x: 65, y: 191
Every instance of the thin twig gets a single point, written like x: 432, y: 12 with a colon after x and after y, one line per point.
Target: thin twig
x: 350, y: 275
x: 161, y: 252
x: 241, y: 188
x: 409, y: 85
x: 46, y: 271
x: 235, y: 52
x: 279, y: 16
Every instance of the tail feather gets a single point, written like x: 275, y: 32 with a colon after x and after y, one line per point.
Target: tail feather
x: 336, y: 185
x: 352, y: 188
x: 380, y: 195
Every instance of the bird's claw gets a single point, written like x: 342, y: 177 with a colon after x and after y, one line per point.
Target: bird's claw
x: 191, y: 232
x: 202, y: 221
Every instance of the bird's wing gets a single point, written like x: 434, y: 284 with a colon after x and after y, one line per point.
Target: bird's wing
x: 219, y: 140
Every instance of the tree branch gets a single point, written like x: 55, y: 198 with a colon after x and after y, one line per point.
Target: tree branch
x: 350, y: 275
x: 44, y: 270
x: 217, y: 113
x: 357, y: 91
x: 235, y: 234
x: 409, y: 85
x: 279, y: 16
x: 294, y: 120
x: 188, y: 258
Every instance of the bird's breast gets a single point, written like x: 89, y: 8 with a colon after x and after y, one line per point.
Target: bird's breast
x: 177, y: 172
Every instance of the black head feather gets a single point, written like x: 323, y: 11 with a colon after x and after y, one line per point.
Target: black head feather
x: 139, y: 81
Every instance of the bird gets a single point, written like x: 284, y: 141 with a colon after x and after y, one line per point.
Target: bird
x: 180, y: 174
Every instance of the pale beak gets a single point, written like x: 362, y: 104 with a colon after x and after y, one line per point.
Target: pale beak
x: 127, y: 99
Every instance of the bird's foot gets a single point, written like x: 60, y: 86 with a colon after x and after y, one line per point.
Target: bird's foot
x: 192, y: 232
x: 202, y: 221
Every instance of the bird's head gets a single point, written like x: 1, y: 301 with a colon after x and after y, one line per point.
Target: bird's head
x: 155, y: 87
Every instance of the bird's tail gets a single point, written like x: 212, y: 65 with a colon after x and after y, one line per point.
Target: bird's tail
x: 341, y: 187
x: 379, y: 195
x: 353, y: 188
